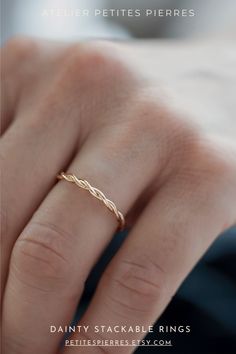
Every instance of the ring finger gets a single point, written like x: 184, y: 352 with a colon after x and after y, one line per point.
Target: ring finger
x: 55, y: 252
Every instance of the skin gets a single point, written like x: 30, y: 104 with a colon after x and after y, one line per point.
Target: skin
x: 150, y: 124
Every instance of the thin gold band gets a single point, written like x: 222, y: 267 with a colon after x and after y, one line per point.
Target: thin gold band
x: 82, y: 183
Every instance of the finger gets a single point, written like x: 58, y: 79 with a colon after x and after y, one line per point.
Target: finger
x: 20, y: 56
x: 172, y: 234
x: 48, y: 128
x: 31, y: 155
x: 55, y: 253
x: 40, y: 142
x: 17, y: 56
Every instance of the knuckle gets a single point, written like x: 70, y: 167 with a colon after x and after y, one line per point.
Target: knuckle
x: 151, y: 132
x: 85, y: 73
x: 19, y: 47
x: 208, y: 173
x: 86, y: 56
x: 136, y: 286
x: 96, y: 64
x: 18, y: 52
x: 151, y: 119
x: 209, y: 160
x: 41, y: 256
x: 92, y: 74
x: 151, y: 112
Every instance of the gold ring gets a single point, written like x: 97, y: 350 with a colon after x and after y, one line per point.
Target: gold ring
x: 82, y: 183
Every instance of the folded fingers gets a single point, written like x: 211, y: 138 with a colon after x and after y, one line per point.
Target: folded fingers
x: 173, y: 232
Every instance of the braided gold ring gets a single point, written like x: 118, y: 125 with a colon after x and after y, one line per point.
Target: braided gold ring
x: 82, y: 183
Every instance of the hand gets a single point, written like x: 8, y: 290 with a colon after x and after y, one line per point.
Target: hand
x: 134, y: 120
